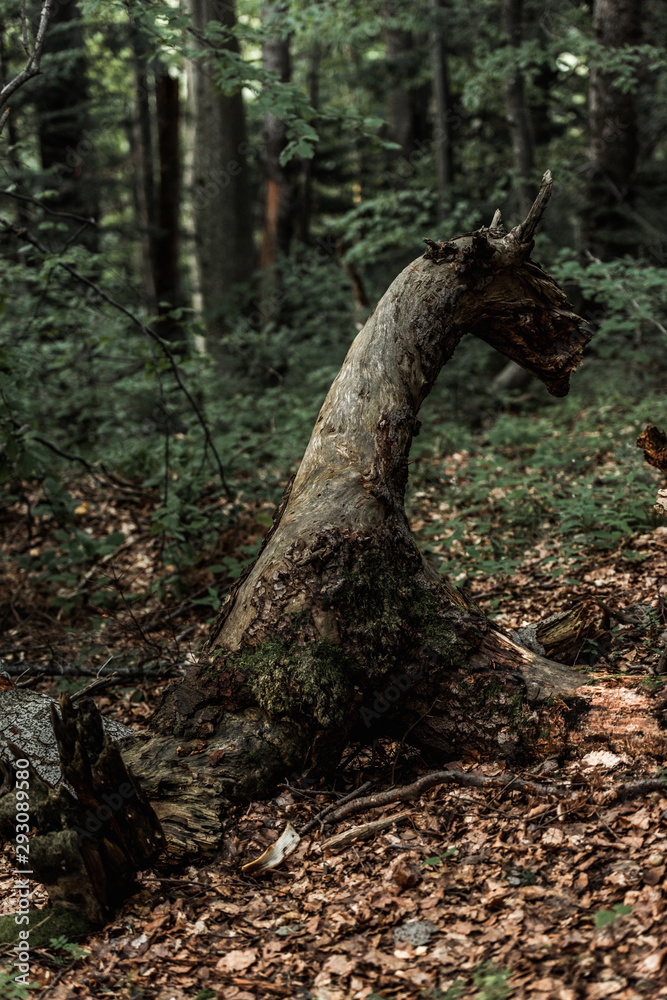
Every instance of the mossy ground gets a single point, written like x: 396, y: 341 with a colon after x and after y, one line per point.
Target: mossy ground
x: 51, y: 922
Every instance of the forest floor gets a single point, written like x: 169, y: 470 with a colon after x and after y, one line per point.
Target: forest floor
x: 484, y: 893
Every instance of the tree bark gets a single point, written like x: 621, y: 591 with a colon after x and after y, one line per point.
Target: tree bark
x: 144, y: 159
x: 407, y: 102
x: 166, y: 262
x: 306, y: 209
x: 516, y: 107
x: 279, y: 188
x: 221, y: 194
x: 613, y: 151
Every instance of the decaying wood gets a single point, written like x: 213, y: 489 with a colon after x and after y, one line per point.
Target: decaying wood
x: 341, y: 630
x: 565, y: 635
x: 92, y: 840
x: 654, y: 442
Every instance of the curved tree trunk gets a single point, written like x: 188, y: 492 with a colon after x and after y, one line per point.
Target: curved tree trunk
x: 341, y: 624
x: 341, y: 630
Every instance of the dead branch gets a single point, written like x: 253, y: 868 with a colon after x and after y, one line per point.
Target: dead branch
x: 628, y: 790
x: 364, y: 831
x: 31, y: 67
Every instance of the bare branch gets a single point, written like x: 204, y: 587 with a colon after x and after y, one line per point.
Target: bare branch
x: 31, y: 67
x: 525, y: 231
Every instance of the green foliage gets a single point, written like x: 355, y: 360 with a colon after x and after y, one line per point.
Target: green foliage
x: 438, y: 859
x: 10, y: 989
x: 453, y: 992
x: 605, y: 917
x: 72, y: 950
x: 491, y: 982
x: 569, y: 473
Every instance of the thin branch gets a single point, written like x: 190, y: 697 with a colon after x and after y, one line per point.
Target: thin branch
x: 408, y: 792
x: 122, y: 484
x: 31, y: 67
x: 631, y: 789
x: 635, y: 790
x: 45, y: 208
x: 311, y: 824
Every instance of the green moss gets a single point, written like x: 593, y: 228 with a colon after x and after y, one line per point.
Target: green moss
x: 311, y: 679
x: 435, y: 628
x: 51, y: 922
x: 209, y: 671
x: 385, y: 618
x: 375, y: 604
x: 385, y: 611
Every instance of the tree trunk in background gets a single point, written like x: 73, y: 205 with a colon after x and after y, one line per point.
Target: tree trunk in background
x: 144, y: 176
x: 166, y: 263
x: 444, y: 147
x: 221, y: 191
x: 279, y: 192
x: 61, y: 97
x: 516, y: 109
x: 407, y: 103
x: 304, y: 215
x: 613, y: 150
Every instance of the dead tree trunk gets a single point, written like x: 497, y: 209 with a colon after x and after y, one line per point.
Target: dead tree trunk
x: 341, y: 630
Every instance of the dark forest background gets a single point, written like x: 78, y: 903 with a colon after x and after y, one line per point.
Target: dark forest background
x: 200, y: 206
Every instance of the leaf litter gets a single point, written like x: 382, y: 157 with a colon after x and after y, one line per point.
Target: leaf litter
x: 468, y: 892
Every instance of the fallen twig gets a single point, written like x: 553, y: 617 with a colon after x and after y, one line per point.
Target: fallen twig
x: 311, y: 824
x: 364, y: 831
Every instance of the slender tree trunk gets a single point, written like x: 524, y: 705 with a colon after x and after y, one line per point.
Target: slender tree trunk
x: 166, y: 262
x: 407, y: 102
x: 20, y: 209
x: 614, y: 136
x: 221, y: 195
x: 516, y: 108
x: 279, y: 188
x: 62, y: 101
x: 444, y: 147
x: 144, y: 178
x: 314, y: 59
